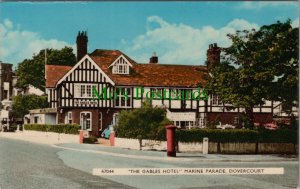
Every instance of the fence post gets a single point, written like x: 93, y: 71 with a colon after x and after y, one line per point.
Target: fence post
x: 205, y: 146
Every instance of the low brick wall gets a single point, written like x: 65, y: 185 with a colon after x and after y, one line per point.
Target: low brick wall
x: 213, y: 148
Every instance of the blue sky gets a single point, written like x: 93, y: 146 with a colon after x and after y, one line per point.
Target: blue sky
x: 179, y: 32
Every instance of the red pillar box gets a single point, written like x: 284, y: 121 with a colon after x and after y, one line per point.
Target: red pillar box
x: 171, y: 140
x: 81, y: 136
x: 112, y: 138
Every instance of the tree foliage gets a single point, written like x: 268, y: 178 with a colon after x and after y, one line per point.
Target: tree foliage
x: 23, y: 103
x: 32, y: 71
x: 146, y: 122
x: 259, y: 65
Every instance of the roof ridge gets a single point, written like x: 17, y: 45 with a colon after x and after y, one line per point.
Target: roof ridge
x: 158, y: 64
x: 57, y: 65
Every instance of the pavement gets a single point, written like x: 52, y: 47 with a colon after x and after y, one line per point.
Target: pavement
x: 49, y: 138
x: 180, y: 157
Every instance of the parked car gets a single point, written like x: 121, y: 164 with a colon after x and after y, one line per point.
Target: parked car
x: 107, y: 131
x: 271, y: 126
x: 226, y: 126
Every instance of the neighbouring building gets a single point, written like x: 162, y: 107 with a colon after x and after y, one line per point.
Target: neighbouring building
x: 7, y: 80
x: 41, y: 116
x: 122, y: 83
x: 8, y: 90
x: 6, y: 85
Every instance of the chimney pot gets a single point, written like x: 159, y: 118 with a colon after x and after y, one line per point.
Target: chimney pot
x: 213, y: 55
x: 154, y: 58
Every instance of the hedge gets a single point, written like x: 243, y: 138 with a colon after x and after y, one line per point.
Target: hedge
x: 63, y: 128
x: 279, y: 136
x: 238, y: 135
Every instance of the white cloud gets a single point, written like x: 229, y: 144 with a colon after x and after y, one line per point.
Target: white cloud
x: 252, y: 5
x: 180, y: 43
x: 295, y: 23
x: 17, y: 44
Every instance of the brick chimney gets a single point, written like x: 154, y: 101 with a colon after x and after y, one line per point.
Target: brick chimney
x: 213, y: 55
x: 81, y: 42
x: 153, y: 59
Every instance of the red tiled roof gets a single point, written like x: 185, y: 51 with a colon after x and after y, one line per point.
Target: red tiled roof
x: 151, y: 74
x: 54, y: 73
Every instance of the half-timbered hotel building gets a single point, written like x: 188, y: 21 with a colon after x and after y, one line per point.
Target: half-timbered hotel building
x: 70, y: 89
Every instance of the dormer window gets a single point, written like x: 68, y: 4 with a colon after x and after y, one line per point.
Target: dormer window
x: 120, y: 68
x: 121, y: 65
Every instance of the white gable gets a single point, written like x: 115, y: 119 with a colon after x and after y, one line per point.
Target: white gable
x: 121, y: 65
x: 80, y: 65
x: 121, y: 59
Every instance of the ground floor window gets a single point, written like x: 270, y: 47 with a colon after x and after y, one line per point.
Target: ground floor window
x: 86, y: 120
x: 68, y: 118
x: 201, y: 122
x: 116, y: 119
x: 185, y: 124
x: 236, y: 121
x: 100, y: 121
x: 36, y: 119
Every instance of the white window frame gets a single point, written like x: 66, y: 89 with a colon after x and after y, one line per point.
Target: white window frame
x: 68, y: 118
x: 6, y: 94
x: 37, y: 121
x: 201, y: 121
x: 120, y: 68
x: 100, y: 121
x: 120, y: 96
x: 81, y: 120
x: 175, y: 94
x: 236, y: 120
x: 215, y: 100
x: 188, y: 124
x: 115, y: 118
x: 87, y: 93
x: 155, y: 91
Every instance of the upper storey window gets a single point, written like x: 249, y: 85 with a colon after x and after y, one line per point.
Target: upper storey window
x: 215, y: 100
x: 121, y: 66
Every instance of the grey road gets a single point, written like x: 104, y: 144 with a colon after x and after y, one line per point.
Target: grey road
x: 26, y: 165
x: 288, y: 180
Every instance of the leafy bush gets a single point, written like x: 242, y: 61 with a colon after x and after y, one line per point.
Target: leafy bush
x: 64, y: 128
x: 146, y: 123
x: 13, y: 127
x: 238, y: 135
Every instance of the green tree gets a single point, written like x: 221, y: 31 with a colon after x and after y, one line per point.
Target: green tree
x: 32, y: 71
x: 23, y: 103
x: 146, y: 122
x: 258, y: 65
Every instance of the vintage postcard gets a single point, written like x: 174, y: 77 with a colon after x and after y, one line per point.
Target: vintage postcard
x: 149, y: 94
